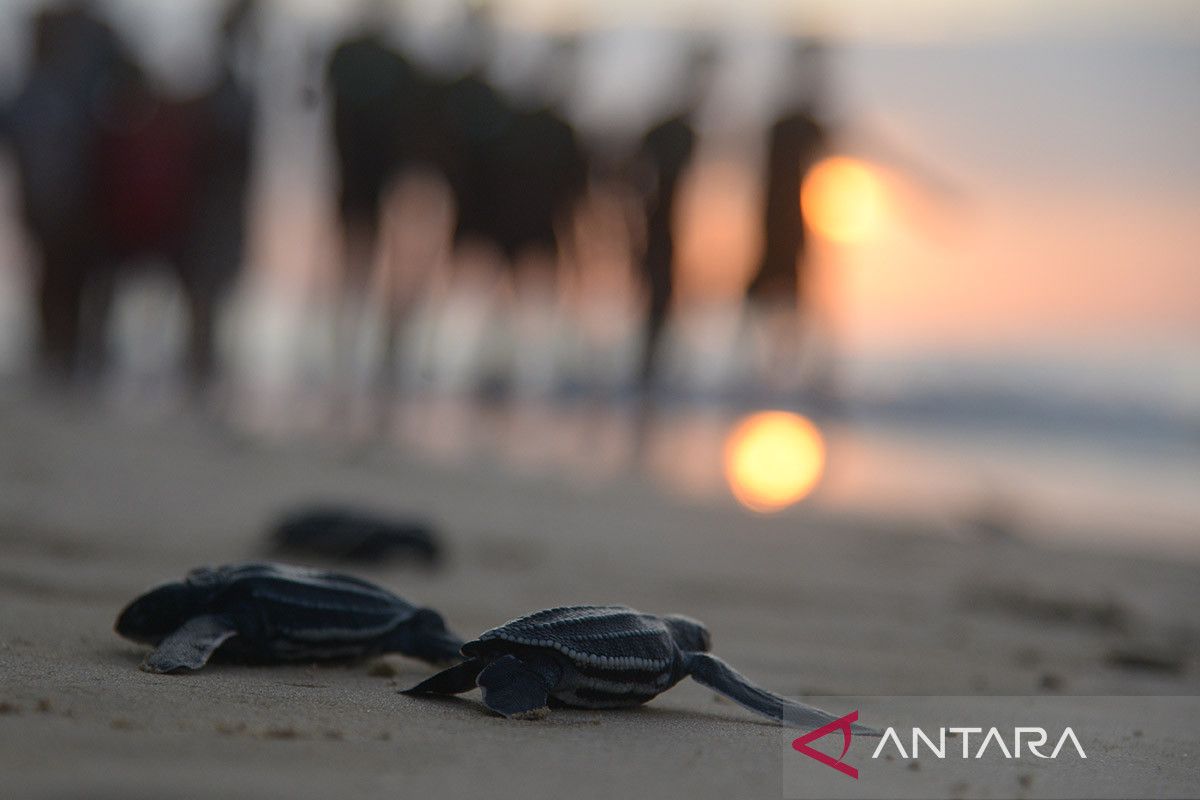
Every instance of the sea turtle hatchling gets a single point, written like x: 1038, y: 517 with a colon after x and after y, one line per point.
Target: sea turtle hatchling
x: 601, y: 657
x: 268, y: 613
x: 351, y: 534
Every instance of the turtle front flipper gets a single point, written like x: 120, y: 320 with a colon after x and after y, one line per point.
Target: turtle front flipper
x: 720, y: 677
x: 516, y: 689
x: 456, y: 680
x: 191, y: 645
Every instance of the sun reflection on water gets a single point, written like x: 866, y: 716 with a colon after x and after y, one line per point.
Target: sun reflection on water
x: 773, y: 459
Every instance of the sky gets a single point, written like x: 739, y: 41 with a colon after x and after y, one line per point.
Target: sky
x: 881, y: 20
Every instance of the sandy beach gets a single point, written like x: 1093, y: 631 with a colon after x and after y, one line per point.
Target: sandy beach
x: 96, y: 506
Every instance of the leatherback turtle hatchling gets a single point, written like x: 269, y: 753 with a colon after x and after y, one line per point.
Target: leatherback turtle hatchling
x: 601, y: 657
x: 351, y: 534
x: 266, y: 613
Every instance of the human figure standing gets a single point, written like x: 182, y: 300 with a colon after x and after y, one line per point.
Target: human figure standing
x: 381, y: 112
x: 538, y: 174
x: 517, y: 171
x: 213, y: 248
x: 50, y: 126
x: 173, y: 177
x: 666, y: 153
x: 796, y: 142
x: 474, y: 119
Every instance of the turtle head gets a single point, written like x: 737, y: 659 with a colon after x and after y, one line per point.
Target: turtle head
x: 690, y: 635
x: 426, y: 637
x: 158, y: 612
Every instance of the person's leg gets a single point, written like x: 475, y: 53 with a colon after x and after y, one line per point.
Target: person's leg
x: 50, y: 317
x: 660, y: 285
x: 535, y: 312
x: 98, y: 291
x: 351, y: 287
x: 414, y: 241
x: 200, y: 359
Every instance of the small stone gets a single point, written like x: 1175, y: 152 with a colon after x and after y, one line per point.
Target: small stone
x: 43, y: 706
x: 9, y: 708
x: 914, y: 766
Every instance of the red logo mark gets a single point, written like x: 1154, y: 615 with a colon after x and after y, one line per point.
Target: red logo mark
x: 843, y: 724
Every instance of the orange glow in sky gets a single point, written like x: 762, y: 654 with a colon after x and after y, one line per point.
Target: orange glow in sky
x: 842, y: 200
x: 773, y: 459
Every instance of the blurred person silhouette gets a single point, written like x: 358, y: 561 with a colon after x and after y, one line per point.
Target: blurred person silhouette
x: 517, y: 172
x: 214, y: 244
x: 50, y: 128
x: 474, y: 117
x: 536, y: 177
x: 666, y: 152
x: 382, y: 106
x: 145, y: 177
x: 476, y: 120
x: 173, y: 176
x: 114, y: 171
x: 796, y: 141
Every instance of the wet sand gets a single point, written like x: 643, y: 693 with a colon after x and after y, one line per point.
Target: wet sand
x: 96, y: 507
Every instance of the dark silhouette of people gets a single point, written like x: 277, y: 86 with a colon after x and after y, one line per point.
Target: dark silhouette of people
x: 540, y: 172
x: 518, y: 173
x: 114, y: 170
x: 666, y: 152
x: 796, y: 142
x: 50, y: 128
x: 173, y: 180
x: 145, y: 176
x: 474, y: 118
x: 374, y: 91
x: 213, y: 248
x: 541, y: 178
x: 384, y: 123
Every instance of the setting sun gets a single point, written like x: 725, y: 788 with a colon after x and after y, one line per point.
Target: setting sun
x: 842, y: 200
x: 773, y: 459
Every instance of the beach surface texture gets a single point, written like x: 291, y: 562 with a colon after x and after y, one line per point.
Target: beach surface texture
x: 95, y: 507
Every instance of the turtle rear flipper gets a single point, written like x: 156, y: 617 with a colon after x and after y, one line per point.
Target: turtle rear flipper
x: 720, y: 677
x: 515, y: 689
x: 456, y: 680
x: 191, y: 645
